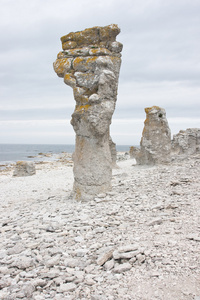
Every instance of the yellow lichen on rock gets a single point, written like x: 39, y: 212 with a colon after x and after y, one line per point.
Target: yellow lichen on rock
x: 68, y: 37
x: 148, y: 109
x: 20, y: 163
x: 82, y: 108
x: 84, y: 64
x: 62, y: 65
x: 60, y: 55
x: 99, y: 51
x: 78, y: 60
x: 109, y: 32
x: 69, y: 45
x: 69, y: 80
x: 104, y: 33
x: 81, y: 95
x: 81, y: 99
x: 77, y: 194
x: 116, y: 61
x: 79, y: 64
x: 87, y: 36
x: 77, y: 52
x: 90, y: 36
x: 91, y: 60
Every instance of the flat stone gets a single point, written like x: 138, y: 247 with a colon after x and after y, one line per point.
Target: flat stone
x: 155, y: 274
x: 23, y: 262
x: 51, y: 274
x: 39, y: 282
x: 81, y: 252
x: 67, y: 287
x: 28, y: 289
x: 127, y: 248
x: 156, y: 221
x: 53, y: 262
x: 89, y: 280
x: 103, y: 195
x: 4, y: 270
x: 141, y: 258
x: 122, y: 268
x: 109, y: 265
x: 71, y: 262
x: 5, y: 283
x: 78, y: 239
x: 18, y: 248
x: 125, y: 255
x: 104, y: 257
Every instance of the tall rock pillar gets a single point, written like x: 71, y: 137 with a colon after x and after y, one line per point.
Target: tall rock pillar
x: 90, y: 64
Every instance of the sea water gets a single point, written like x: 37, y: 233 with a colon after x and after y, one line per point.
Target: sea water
x: 10, y: 153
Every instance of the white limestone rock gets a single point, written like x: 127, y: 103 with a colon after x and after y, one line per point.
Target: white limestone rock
x: 67, y: 287
x: 23, y: 262
x: 24, y: 168
x: 105, y: 257
x: 122, y: 267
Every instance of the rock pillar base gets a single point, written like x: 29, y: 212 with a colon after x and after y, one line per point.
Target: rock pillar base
x: 92, y: 168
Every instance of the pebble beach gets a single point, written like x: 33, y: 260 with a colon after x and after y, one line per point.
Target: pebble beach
x: 140, y: 241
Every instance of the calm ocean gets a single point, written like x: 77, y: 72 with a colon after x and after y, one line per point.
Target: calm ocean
x: 13, y: 152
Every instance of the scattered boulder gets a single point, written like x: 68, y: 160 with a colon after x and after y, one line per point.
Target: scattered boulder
x: 24, y: 168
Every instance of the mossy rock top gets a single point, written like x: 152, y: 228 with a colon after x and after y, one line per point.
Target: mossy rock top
x: 91, y: 36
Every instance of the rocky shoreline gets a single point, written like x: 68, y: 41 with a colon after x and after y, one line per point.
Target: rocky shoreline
x: 139, y: 241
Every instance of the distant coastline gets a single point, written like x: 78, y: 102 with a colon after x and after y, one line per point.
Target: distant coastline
x: 10, y: 153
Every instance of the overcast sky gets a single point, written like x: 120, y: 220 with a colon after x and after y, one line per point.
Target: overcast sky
x: 160, y: 65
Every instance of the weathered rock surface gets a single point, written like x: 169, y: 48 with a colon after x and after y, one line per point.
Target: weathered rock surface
x: 155, y: 145
x: 24, y: 168
x: 186, y: 142
x: 90, y: 64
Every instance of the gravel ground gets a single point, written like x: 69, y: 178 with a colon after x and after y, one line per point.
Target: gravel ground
x: 141, y: 241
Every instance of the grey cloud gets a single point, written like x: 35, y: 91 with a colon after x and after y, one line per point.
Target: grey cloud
x: 36, y: 113
x: 160, y: 58
x: 135, y: 111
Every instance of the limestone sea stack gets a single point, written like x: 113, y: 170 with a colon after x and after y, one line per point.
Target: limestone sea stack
x: 155, y: 145
x: 90, y: 63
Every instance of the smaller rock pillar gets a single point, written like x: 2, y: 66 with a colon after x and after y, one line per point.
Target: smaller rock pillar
x: 155, y: 145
